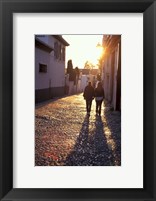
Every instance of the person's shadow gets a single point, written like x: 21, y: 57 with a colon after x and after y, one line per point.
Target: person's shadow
x: 91, y: 148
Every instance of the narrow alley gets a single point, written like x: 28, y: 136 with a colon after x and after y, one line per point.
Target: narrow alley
x: 66, y: 136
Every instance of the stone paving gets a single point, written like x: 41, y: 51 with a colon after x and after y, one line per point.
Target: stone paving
x: 66, y: 136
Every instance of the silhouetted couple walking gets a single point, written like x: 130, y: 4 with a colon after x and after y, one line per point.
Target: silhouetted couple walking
x: 90, y: 93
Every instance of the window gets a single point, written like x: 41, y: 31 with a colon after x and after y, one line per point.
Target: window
x: 42, y: 68
x: 56, y: 52
x: 63, y: 54
x: 59, y: 52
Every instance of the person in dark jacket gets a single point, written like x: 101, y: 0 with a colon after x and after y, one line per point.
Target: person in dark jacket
x: 99, y: 97
x: 88, y: 96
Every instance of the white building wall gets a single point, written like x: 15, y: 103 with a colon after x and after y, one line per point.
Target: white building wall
x: 104, y: 76
x: 84, y: 80
x: 78, y: 86
x: 41, y: 79
x: 115, y: 75
x: 56, y: 67
x: 110, y: 78
x: 57, y: 73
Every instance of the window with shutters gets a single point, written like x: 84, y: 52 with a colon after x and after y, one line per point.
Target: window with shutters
x: 56, y: 50
x: 59, y: 52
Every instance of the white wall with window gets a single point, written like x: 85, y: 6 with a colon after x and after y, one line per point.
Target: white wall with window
x: 53, y: 80
x: 41, y: 78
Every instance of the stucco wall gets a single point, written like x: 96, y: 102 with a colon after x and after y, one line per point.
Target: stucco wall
x: 41, y: 79
x: 56, y: 67
x: 110, y: 71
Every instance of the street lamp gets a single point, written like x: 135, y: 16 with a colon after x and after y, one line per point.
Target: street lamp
x: 99, y: 45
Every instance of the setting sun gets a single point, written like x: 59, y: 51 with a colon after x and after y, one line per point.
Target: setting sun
x: 83, y: 48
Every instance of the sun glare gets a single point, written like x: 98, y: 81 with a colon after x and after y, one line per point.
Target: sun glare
x: 83, y: 48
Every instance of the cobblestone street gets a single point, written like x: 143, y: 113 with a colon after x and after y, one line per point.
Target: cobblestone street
x: 66, y: 136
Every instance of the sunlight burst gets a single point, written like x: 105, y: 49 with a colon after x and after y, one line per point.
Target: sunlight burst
x: 83, y: 48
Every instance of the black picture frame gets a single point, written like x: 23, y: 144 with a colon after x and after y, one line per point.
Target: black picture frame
x: 7, y: 8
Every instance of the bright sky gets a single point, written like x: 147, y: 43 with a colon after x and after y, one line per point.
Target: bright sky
x: 83, y: 48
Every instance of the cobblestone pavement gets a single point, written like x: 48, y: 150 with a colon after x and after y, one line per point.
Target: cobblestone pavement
x: 66, y: 136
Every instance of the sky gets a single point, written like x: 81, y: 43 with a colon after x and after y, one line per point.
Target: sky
x: 82, y: 48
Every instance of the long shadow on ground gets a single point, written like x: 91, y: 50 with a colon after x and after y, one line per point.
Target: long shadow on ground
x: 91, y: 148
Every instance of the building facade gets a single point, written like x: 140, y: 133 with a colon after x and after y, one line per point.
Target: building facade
x: 49, y: 67
x: 111, y: 69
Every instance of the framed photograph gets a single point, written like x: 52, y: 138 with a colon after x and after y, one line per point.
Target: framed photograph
x: 77, y: 100
x: 79, y: 86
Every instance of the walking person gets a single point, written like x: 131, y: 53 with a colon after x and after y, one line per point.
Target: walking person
x: 88, y: 96
x: 99, y: 97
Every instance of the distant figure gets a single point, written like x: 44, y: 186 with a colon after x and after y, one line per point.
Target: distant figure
x: 88, y: 96
x: 99, y: 97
